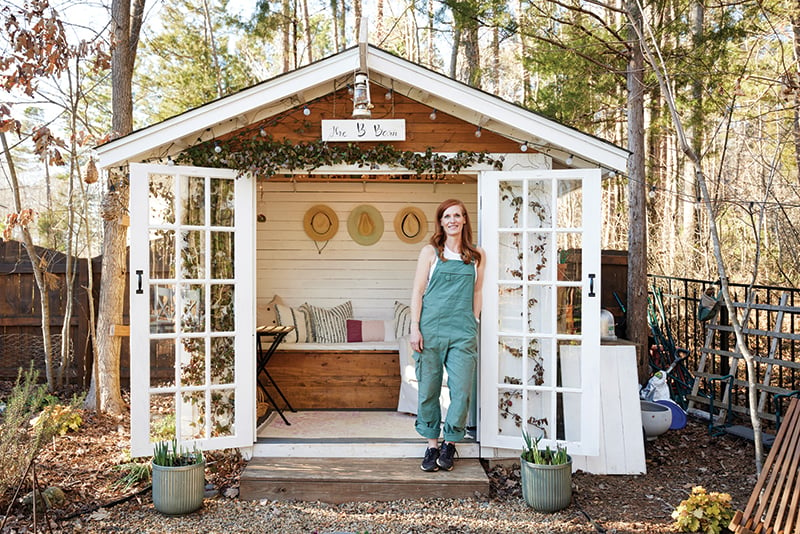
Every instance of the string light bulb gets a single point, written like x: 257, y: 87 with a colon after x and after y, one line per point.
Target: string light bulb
x: 170, y: 161
x: 652, y: 193
x: 569, y: 159
x: 433, y: 115
x: 478, y: 132
x: 217, y: 148
x: 262, y: 132
x: 388, y: 95
x: 306, y: 111
x: 524, y: 147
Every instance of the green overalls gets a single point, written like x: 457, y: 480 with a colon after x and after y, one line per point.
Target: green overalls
x: 450, y: 340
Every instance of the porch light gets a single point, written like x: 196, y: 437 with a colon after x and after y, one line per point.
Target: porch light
x: 361, y: 102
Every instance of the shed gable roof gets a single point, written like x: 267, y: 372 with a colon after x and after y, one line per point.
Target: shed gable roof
x: 286, y: 91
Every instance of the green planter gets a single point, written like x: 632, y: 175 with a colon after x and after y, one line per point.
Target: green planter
x: 546, y: 488
x: 178, y: 490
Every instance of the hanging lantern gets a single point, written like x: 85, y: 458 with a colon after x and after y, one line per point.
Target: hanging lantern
x: 361, y: 99
x: 91, y: 172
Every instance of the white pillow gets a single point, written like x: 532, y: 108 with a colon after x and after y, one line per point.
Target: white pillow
x: 329, y: 325
x: 402, y: 320
x: 300, y: 318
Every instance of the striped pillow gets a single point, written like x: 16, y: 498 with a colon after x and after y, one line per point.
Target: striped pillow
x: 299, y: 318
x: 329, y: 325
x: 402, y: 320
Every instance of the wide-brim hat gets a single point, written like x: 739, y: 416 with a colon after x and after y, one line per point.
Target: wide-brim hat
x: 365, y: 225
x: 320, y: 223
x: 410, y: 225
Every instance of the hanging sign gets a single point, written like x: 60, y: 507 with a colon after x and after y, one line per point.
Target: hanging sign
x: 364, y: 130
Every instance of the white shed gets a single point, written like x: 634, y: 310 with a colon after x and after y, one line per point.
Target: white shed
x: 319, y: 187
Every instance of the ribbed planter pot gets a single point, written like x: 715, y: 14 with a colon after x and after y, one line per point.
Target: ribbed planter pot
x: 546, y: 488
x: 178, y: 490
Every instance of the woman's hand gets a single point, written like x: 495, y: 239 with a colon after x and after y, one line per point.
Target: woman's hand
x: 416, y: 339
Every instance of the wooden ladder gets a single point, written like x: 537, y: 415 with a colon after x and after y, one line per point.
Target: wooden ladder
x: 774, y: 504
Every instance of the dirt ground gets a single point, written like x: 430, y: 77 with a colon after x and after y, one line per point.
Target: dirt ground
x: 84, y: 464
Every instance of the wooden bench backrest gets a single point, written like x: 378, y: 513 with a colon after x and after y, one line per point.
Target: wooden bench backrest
x: 775, y: 502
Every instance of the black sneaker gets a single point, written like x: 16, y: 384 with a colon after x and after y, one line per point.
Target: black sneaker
x: 446, y: 454
x: 429, y: 462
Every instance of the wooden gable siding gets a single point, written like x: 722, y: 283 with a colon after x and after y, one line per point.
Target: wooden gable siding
x: 372, y: 277
x: 445, y: 134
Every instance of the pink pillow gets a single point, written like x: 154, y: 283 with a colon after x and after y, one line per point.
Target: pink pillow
x: 358, y: 330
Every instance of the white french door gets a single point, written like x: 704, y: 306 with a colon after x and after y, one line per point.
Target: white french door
x: 191, y: 307
x: 540, y: 332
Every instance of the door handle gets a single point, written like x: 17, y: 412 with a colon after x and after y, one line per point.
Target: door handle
x: 139, y: 289
x: 591, y: 285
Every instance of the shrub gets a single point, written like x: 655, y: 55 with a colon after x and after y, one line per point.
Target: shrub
x: 709, y: 513
x: 19, y: 441
x: 59, y: 418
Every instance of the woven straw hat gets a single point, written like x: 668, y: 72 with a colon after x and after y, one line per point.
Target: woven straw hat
x: 365, y: 225
x: 410, y: 225
x: 320, y: 223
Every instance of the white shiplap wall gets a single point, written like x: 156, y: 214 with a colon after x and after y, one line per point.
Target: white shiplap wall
x: 372, y: 277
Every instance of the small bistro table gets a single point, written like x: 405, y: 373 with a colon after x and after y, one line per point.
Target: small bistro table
x: 277, y: 333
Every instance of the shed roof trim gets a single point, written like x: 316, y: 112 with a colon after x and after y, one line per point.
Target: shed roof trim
x: 311, y: 81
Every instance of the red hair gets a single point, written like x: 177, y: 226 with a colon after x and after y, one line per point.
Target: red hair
x: 469, y: 252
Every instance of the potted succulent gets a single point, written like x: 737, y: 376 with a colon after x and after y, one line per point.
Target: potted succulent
x: 546, y: 476
x: 178, y: 478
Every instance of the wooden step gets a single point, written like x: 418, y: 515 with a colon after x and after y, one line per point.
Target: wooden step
x: 338, y: 480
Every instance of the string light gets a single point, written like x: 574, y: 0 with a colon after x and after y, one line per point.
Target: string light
x: 652, y: 192
x: 569, y: 160
x: 388, y: 95
x: 433, y: 115
x: 478, y: 132
x: 217, y: 148
x: 170, y: 161
x: 306, y: 111
x: 524, y: 147
x: 262, y: 132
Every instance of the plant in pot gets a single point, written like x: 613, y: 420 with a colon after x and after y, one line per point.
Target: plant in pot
x: 178, y: 478
x: 546, y: 475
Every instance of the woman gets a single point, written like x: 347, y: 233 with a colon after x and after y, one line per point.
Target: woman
x: 445, y: 310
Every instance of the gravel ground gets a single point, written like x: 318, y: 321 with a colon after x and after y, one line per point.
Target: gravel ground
x: 465, y: 516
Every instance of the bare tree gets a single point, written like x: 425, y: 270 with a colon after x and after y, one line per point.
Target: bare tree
x: 657, y: 65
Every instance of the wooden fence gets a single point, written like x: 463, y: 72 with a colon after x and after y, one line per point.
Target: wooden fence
x: 21, y: 318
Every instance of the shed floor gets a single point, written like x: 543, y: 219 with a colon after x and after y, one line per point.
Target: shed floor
x: 347, y: 434
x: 341, y: 424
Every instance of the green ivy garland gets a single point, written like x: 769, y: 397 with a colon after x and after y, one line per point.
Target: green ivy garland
x: 265, y: 157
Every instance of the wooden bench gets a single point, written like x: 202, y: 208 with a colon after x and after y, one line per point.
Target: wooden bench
x: 775, y: 502
x: 338, y: 378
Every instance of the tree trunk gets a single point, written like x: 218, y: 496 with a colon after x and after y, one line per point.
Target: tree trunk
x: 287, y: 61
x: 472, y: 54
x: 335, y: 18
x: 36, y: 266
x: 636, y: 317
x: 307, y: 23
x: 523, y: 54
x: 105, y: 393
x: 793, y: 82
x: 454, y: 52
